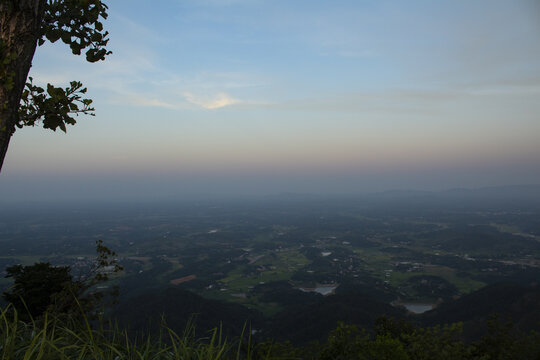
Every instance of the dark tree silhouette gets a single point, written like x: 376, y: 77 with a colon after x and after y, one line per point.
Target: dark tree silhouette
x: 43, y: 287
x: 34, y: 287
x: 25, y: 24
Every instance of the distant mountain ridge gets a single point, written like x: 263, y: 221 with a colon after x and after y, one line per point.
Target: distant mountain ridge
x: 526, y: 191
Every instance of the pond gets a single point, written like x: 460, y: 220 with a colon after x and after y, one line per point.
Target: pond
x: 323, y: 289
x: 418, y: 308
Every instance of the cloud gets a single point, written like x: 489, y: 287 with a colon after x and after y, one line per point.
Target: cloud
x: 222, y: 3
x: 220, y: 100
x: 154, y: 103
x: 468, y: 99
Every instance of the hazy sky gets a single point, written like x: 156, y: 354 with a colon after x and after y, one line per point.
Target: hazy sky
x: 264, y: 96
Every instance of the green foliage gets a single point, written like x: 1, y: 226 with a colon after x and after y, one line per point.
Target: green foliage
x: 273, y: 351
x: 42, y: 287
x: 54, y: 107
x: 397, y: 328
x: 502, y: 342
x: 105, y: 258
x: 438, y: 343
x: 75, y: 337
x: 346, y: 342
x: 35, y: 285
x: 104, y: 264
x: 77, y: 23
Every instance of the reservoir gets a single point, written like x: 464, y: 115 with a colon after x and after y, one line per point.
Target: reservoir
x: 418, y: 308
x: 323, y: 289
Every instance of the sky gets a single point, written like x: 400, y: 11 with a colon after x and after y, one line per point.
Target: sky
x: 243, y: 97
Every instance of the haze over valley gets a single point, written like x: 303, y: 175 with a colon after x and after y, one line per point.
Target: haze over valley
x: 313, y: 176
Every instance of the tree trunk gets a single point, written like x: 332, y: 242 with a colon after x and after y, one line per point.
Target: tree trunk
x: 20, y: 24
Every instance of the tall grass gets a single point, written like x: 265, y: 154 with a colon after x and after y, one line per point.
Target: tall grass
x: 53, y: 337
x: 77, y: 338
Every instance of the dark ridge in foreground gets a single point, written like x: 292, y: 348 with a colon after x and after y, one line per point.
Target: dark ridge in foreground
x: 315, y: 319
x: 301, y: 324
x: 517, y: 303
x: 144, y: 313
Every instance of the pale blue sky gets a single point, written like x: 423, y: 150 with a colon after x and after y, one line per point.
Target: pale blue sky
x: 254, y: 96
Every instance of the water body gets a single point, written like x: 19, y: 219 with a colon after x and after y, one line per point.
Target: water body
x: 323, y: 290
x: 418, y: 308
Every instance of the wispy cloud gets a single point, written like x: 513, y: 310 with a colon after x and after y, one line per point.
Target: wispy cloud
x: 140, y: 75
x: 217, y: 101
x: 185, y: 100
x: 437, y: 102
x: 221, y: 3
x: 122, y: 97
x: 153, y: 102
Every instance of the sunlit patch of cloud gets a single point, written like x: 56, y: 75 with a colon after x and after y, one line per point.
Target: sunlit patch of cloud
x: 217, y: 101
